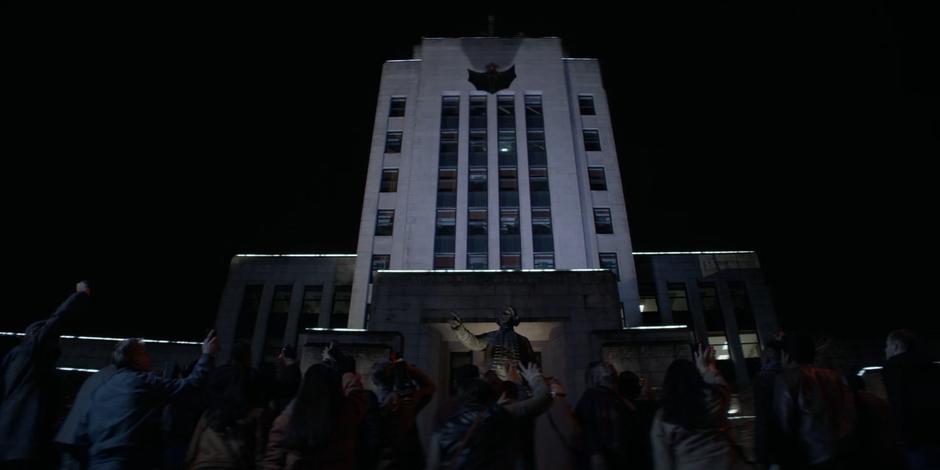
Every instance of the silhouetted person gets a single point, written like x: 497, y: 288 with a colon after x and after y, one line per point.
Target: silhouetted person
x: 876, y: 431
x: 767, y: 434
x: 558, y: 439
x: 635, y: 390
x: 319, y: 428
x: 27, y: 388
x: 480, y: 434
x: 913, y: 385
x: 814, y: 409
x: 124, y: 419
x: 232, y: 433
x: 403, y: 391
x: 603, y: 415
x: 690, y: 429
x: 288, y: 376
x: 73, y: 434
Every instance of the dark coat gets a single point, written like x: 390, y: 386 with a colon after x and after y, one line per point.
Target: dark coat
x: 73, y: 431
x: 124, y: 418
x: 27, y: 387
x: 913, y: 385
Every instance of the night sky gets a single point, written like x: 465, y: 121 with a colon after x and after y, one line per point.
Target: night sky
x: 143, y: 148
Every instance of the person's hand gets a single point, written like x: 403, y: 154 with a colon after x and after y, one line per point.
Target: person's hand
x: 210, y: 345
x: 327, y: 355
x: 83, y: 286
x: 454, y: 321
x: 705, y: 359
x: 530, y: 371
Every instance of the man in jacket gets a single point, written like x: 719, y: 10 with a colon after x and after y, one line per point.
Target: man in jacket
x: 27, y: 384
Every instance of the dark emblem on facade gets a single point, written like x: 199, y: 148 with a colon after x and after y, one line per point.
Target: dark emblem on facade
x: 492, y: 80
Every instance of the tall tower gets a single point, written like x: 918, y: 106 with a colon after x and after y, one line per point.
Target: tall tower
x: 493, y: 154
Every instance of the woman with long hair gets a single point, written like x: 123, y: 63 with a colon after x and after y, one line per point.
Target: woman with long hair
x: 318, y: 428
x: 690, y: 430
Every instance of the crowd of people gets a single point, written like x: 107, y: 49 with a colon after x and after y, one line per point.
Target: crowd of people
x: 232, y: 416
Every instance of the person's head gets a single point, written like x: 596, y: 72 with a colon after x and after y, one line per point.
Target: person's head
x: 288, y: 354
x: 231, y: 394
x: 772, y: 351
x: 383, y: 376
x: 241, y: 353
x: 898, y: 342
x: 629, y: 385
x: 601, y: 374
x: 798, y: 350
x: 683, y: 394
x: 507, y: 317
x: 131, y: 353
x: 556, y: 388
x: 316, y: 409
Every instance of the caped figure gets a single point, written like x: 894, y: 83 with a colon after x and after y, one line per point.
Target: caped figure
x: 503, y: 346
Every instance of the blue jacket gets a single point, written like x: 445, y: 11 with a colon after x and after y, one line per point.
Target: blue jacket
x: 125, y: 412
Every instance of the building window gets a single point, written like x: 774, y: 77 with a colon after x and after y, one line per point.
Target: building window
x: 478, y: 112
x: 679, y: 303
x: 602, y: 222
x: 477, y: 187
x: 543, y: 260
x: 310, y: 309
x: 597, y: 178
x: 609, y: 261
x: 586, y: 104
x: 385, y: 222
x: 743, y: 312
x: 508, y: 187
x: 714, y: 320
x: 446, y: 187
x: 592, y: 140
x: 477, y: 261
x: 542, y: 231
x: 538, y: 187
x: 393, y: 142
x: 506, y: 142
x: 397, y: 109
x: 277, y: 322
x: 510, y: 245
x: 340, y: 315
x: 379, y: 262
x: 535, y: 142
x: 445, y: 238
x: 251, y: 304
x: 477, y: 234
x: 444, y: 261
x: 477, y: 148
x: 448, y: 150
x: 505, y: 112
x: 389, y: 180
x: 533, y: 112
x: 450, y: 112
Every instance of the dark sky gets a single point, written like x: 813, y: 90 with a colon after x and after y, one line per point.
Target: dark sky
x: 146, y: 147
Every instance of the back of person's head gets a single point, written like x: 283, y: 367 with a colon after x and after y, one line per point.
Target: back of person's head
x: 601, y: 374
x: 800, y: 348
x: 289, y: 352
x: 317, y: 409
x: 683, y: 395
x: 241, y: 353
x: 905, y: 339
x: 772, y: 350
x: 629, y: 385
x: 125, y: 352
x: 230, y: 396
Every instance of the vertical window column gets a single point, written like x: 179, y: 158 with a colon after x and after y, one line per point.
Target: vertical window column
x: 477, y: 238
x: 446, y: 219
x: 543, y: 247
